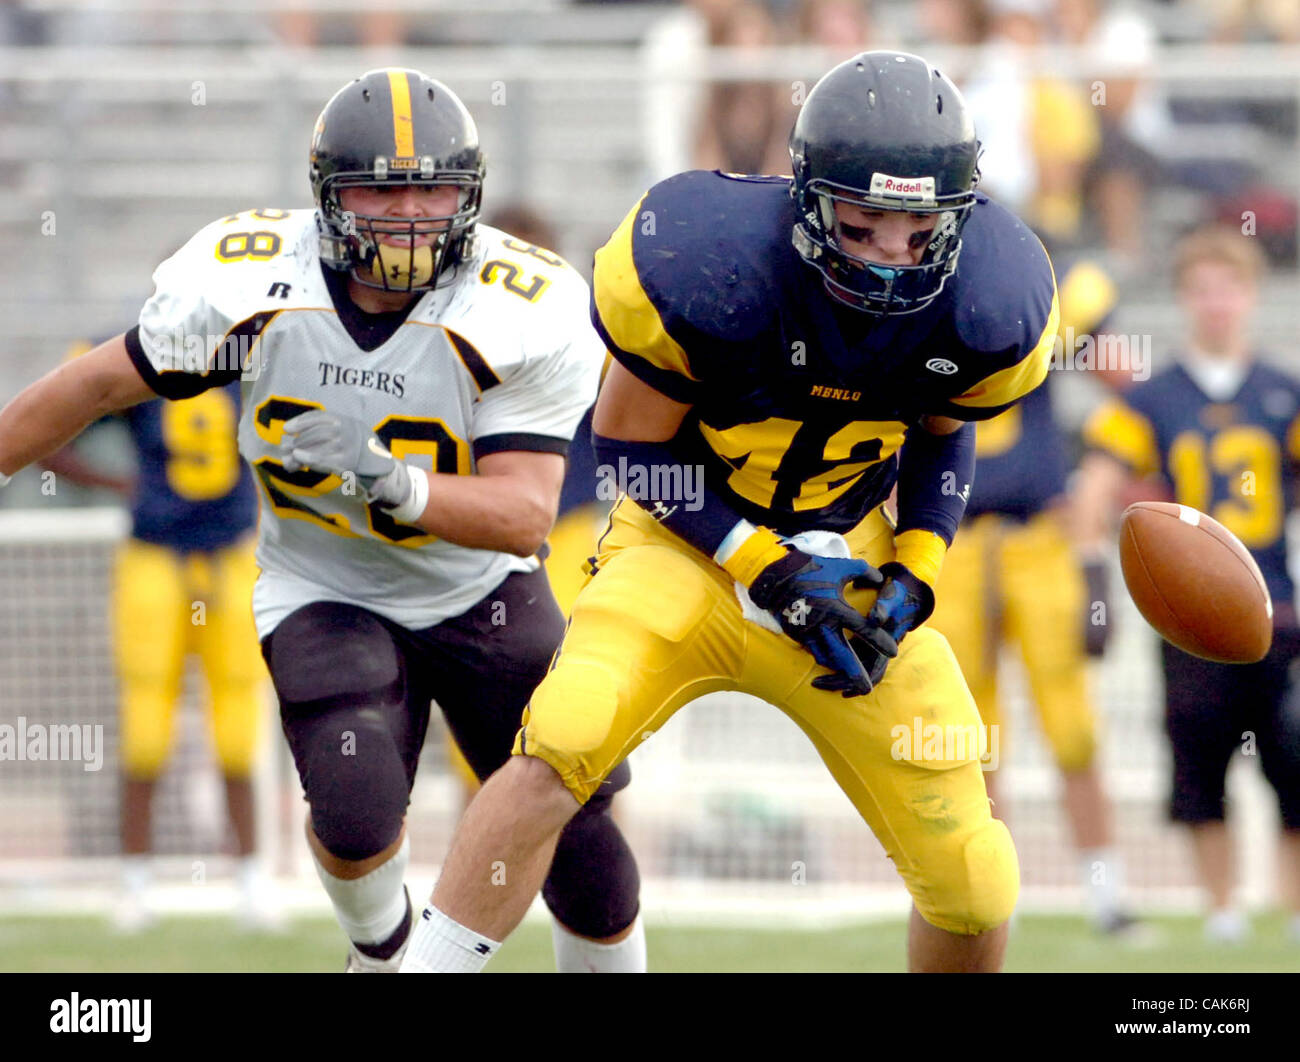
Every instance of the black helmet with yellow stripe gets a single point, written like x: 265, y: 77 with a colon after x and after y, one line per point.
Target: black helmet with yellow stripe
x: 390, y: 128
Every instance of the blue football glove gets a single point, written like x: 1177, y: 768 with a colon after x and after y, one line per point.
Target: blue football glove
x: 343, y: 446
x: 806, y: 595
x: 903, y: 603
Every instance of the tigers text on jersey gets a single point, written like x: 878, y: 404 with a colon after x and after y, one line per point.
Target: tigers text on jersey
x: 499, y: 358
x: 800, y: 404
x: 1233, y: 459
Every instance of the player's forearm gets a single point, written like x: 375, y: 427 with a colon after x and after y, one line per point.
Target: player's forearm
x: 45, y: 417
x: 936, y: 467
x: 503, y: 513
x: 60, y: 405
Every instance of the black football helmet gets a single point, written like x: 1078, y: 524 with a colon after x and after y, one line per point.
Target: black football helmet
x: 885, y: 131
x: 394, y: 127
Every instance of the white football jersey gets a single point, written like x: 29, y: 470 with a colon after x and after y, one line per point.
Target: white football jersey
x: 502, y: 357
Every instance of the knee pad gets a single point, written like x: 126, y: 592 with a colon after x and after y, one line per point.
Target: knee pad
x: 339, y: 679
x: 977, y: 888
x: 594, y: 887
x: 353, y: 777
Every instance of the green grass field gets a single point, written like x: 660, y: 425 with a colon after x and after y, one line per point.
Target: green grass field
x: 1038, y: 943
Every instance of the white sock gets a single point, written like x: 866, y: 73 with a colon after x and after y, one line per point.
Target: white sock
x: 442, y: 945
x: 1102, y: 873
x: 371, y: 908
x: 137, y: 874
x: 575, y: 954
x: 250, y: 876
x: 1227, y: 924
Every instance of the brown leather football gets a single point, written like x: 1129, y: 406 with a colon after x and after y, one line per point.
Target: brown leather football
x: 1195, y: 583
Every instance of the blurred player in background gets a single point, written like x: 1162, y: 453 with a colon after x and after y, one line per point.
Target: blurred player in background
x: 1222, y: 430
x: 1014, y: 575
x: 411, y: 381
x: 183, y: 585
x: 795, y: 348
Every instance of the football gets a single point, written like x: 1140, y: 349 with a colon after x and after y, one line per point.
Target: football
x: 1195, y: 583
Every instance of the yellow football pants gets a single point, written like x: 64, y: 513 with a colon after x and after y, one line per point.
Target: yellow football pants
x: 573, y: 542
x: 659, y: 625
x: 168, y: 605
x: 1021, y: 583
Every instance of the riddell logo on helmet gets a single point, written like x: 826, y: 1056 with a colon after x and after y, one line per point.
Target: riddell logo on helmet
x: 921, y: 188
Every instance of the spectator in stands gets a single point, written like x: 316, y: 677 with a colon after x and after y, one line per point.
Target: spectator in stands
x: 952, y: 22
x: 304, y: 28
x: 1243, y: 20
x: 745, y: 125
x: 1127, y: 111
x: 843, y: 27
x: 1038, y: 133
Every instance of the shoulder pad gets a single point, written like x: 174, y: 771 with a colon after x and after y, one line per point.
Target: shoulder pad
x: 1004, y: 295
x: 523, y: 300
x: 692, y: 275
x: 703, y: 249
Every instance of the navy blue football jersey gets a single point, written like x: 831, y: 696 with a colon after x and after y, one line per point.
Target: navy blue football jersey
x: 799, y: 403
x: 194, y: 491
x: 580, y: 475
x: 1022, y: 455
x: 1233, y: 460
x: 1021, y: 460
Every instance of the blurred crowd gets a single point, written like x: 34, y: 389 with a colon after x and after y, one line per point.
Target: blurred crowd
x: 1096, y: 161
x: 1081, y: 157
